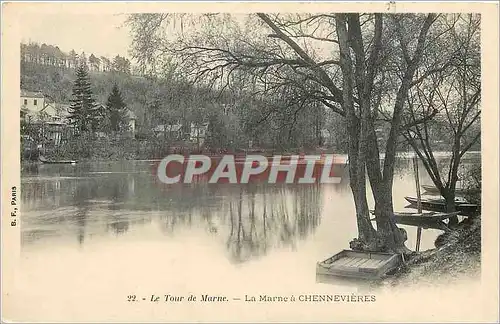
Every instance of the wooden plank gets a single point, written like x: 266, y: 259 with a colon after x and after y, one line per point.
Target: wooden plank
x: 371, y: 263
x: 377, y: 256
x: 330, y: 261
x: 390, y: 264
x: 363, y: 262
x: 341, y: 261
x: 355, y: 254
x: 366, y: 263
x: 349, y: 262
x: 358, y: 262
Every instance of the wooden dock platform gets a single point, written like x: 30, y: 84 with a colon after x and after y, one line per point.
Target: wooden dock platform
x: 361, y: 265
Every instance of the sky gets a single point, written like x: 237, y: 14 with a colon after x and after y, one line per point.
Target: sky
x: 100, y: 34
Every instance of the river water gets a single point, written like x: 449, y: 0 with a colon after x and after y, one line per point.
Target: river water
x: 93, y: 234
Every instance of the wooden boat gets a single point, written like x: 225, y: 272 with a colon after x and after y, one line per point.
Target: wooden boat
x: 361, y: 265
x: 43, y: 160
x: 433, y: 190
x: 463, y: 207
x: 424, y: 220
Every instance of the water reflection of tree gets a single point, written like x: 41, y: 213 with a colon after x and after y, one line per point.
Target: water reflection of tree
x: 252, y: 218
x: 119, y: 226
x: 403, y: 166
x: 81, y: 196
x: 309, y: 210
x: 181, y: 205
x: 273, y: 217
x: 118, y: 190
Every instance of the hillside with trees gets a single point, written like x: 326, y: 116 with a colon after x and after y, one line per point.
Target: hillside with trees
x: 234, y: 117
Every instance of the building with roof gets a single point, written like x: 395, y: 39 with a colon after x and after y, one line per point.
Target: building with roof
x: 173, y: 132
x: 32, y: 102
x: 198, y: 133
x: 39, y: 108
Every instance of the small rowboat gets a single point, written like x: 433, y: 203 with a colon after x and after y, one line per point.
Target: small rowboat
x: 439, y: 205
x: 43, y: 160
x: 424, y: 220
x: 435, y: 191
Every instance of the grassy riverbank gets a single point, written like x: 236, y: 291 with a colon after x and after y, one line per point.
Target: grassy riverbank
x: 458, y: 257
x: 119, y: 149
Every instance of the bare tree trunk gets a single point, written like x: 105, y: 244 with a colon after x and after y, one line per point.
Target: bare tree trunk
x: 363, y: 146
x: 452, y: 182
x: 357, y: 180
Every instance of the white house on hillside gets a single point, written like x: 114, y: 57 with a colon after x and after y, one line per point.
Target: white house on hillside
x: 32, y: 101
x: 39, y: 110
x: 35, y: 105
x: 36, y: 108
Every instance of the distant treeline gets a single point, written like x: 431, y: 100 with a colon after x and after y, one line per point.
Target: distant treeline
x: 52, y: 55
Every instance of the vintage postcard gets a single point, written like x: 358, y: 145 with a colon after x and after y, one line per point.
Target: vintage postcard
x: 249, y: 162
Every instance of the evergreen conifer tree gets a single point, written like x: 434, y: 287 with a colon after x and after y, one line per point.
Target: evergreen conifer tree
x: 82, y: 111
x: 116, y: 111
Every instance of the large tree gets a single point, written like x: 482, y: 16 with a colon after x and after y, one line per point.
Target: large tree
x: 94, y: 62
x: 359, y: 65
x: 83, y: 111
x: 106, y: 64
x: 72, y: 59
x: 116, y: 113
x: 121, y: 64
